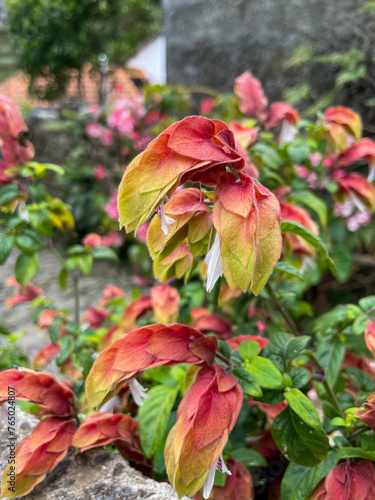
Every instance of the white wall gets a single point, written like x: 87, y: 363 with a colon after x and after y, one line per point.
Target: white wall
x: 152, y: 60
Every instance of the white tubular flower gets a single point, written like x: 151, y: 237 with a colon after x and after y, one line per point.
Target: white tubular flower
x: 214, y: 264
x: 288, y: 132
x: 371, y: 172
x: 22, y: 213
x: 209, y: 481
x: 138, y: 391
x: 357, y: 202
x: 113, y: 405
x: 165, y: 220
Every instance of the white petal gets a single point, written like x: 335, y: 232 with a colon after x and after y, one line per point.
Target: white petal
x: 357, y: 202
x: 138, y: 391
x: 371, y: 172
x: 288, y: 132
x: 165, y: 220
x: 210, y: 478
x: 112, y: 404
x: 214, y: 264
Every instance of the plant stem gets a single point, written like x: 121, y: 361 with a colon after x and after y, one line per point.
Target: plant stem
x: 280, y: 306
x: 223, y: 358
x: 356, y: 434
x: 293, y: 328
x: 76, y: 296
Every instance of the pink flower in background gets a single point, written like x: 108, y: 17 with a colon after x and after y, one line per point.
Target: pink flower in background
x: 142, y: 232
x: 354, y: 222
x: 125, y: 151
x: 110, y: 292
x: 153, y: 117
x: 206, y: 105
x: 25, y: 294
x: 92, y: 240
x: 141, y: 143
x: 141, y: 280
x: 126, y: 114
x: 95, y: 129
x: 95, y: 316
x: 111, y: 208
x: 315, y: 159
x: 261, y: 326
x: 113, y: 239
x: 99, y: 172
x: 107, y: 138
x: 94, y: 108
x: 253, y: 101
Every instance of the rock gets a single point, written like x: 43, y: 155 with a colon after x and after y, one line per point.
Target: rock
x: 93, y: 475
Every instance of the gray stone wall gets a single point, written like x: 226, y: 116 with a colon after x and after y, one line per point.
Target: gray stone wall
x: 210, y: 42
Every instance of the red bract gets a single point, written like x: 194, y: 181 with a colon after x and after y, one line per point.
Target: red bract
x: 177, y: 264
x: 95, y: 316
x: 271, y: 411
x: 110, y: 292
x: 195, y: 148
x: 281, y: 112
x: 370, y: 337
x: 92, y: 240
x: 342, y: 123
x: 17, y: 154
x: 253, y: 101
x: 359, y: 191
x: 46, y: 318
x: 292, y: 242
x: 44, y: 356
x: 244, y: 139
x: 102, y: 428
x: 5, y: 173
x: 40, y: 388
x: 351, y: 481
x: 364, y: 150
x: 206, y: 322
x: 367, y: 415
x: 39, y: 453
x: 205, y: 417
x: 247, y: 219
x: 135, y: 310
x: 26, y: 294
x: 165, y: 301
x: 142, y: 349
x: 11, y: 121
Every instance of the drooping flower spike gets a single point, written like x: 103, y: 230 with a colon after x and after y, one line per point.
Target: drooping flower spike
x: 205, y: 417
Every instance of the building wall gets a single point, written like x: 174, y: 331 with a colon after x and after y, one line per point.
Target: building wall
x: 210, y: 42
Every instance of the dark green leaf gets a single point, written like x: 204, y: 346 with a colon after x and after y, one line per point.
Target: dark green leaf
x: 361, y: 379
x: 67, y: 348
x: 315, y: 241
x: 8, y: 193
x: 278, y: 342
x: 300, y: 377
x: 224, y: 348
x: 356, y: 453
x: 213, y: 295
x: 330, y: 356
x: 284, y: 267
x: 6, y: 245
x: 28, y: 241
x: 295, y: 345
x: 299, y: 482
x: 250, y: 458
x: 299, y: 442
x: 247, y: 382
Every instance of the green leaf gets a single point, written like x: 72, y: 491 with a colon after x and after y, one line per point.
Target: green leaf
x: 104, y: 253
x: 303, y: 407
x: 268, y: 155
x: 295, y: 345
x: 330, y: 356
x: 278, y: 342
x: 77, y: 250
x: 67, y: 348
x: 224, y: 348
x: 359, y: 325
x: 298, y: 152
x: 85, y: 263
x: 350, y: 452
x: 299, y: 442
x: 8, y: 193
x: 299, y: 482
x: 213, y: 295
x: 249, y: 349
x: 284, y: 267
x: 266, y: 373
x: 247, y: 382
x: 28, y: 241
x: 248, y: 457
x: 315, y: 241
x: 54, y: 330
x: 41, y: 221
x: 26, y: 266
x: 6, y: 245
x: 361, y: 379
x: 367, y: 303
x: 63, y: 276
x: 312, y: 201
x: 153, y: 417
x: 300, y: 377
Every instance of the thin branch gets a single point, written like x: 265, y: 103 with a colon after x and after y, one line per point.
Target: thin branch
x: 223, y: 358
x: 280, y: 306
